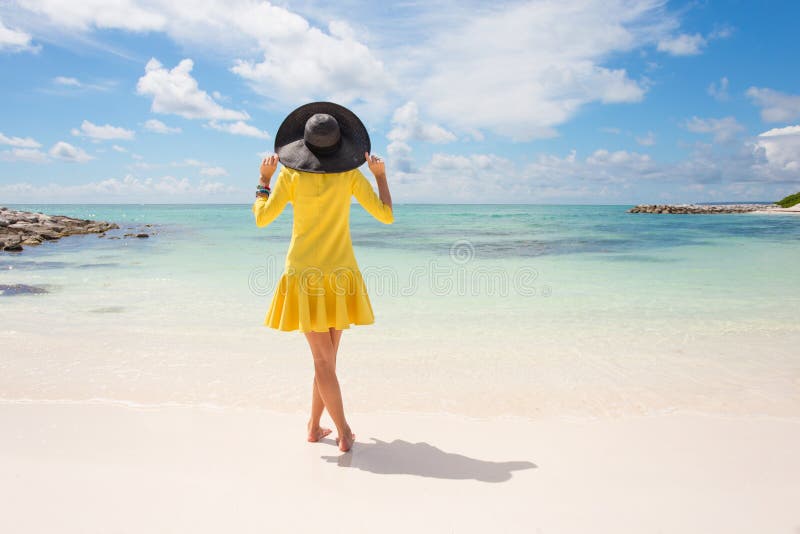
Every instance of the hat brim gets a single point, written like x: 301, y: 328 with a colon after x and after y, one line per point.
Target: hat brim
x: 293, y: 152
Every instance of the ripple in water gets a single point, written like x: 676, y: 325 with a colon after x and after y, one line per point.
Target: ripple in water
x: 108, y: 309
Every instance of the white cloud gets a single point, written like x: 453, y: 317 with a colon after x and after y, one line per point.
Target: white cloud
x: 21, y: 142
x: 647, y: 140
x: 32, y: 155
x: 519, y: 70
x: 27, y: 150
x: 280, y: 54
x: 64, y: 80
x: 719, y: 91
x: 193, y: 162
x: 206, y: 169
x: 723, y: 130
x: 515, y: 69
x: 492, y: 178
x: 400, y: 156
x: 239, y: 128
x: 407, y: 127
x: 487, y: 175
x: 142, y: 165
x: 782, y: 147
x: 155, y: 125
x: 604, y: 158
x: 683, y: 44
x: 691, y: 44
x: 67, y: 152
x: 119, y: 148
x: 757, y: 168
x: 102, y: 133
x: 301, y: 62
x: 213, y: 171
x: 472, y: 164
x: 71, y: 84
x: 189, y: 162
x: 775, y: 106
x: 16, y: 40
x: 126, y: 189
x: 82, y: 16
x: 176, y: 92
x: 721, y: 33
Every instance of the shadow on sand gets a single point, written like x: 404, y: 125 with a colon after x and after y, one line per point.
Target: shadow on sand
x: 423, y: 459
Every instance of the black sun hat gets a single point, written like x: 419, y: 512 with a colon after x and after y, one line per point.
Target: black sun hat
x: 322, y: 137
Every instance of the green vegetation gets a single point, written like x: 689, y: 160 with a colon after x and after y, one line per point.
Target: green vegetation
x: 789, y: 201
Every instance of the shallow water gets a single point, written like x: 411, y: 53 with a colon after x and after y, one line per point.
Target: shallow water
x: 480, y: 309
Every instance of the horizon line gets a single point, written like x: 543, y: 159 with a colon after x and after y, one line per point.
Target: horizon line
x: 394, y: 203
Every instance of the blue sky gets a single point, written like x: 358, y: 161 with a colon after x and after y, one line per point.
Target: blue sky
x: 590, y: 101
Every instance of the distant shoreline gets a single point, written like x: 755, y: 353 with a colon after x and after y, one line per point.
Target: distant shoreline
x: 710, y: 209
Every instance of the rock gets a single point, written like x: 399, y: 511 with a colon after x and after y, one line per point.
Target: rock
x: 11, y: 242
x: 7, y: 290
x: 49, y: 235
x: 698, y: 208
x: 19, y: 228
x: 142, y: 235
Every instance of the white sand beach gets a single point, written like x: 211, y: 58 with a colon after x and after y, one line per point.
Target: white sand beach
x: 83, y: 468
x: 794, y: 209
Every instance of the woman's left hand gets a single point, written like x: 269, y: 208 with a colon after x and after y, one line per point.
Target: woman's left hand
x: 268, y: 166
x: 376, y: 164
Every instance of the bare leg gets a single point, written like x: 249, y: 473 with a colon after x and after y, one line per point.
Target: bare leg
x: 315, y: 432
x: 322, y: 348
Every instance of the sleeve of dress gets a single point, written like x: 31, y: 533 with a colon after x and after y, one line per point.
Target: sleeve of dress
x: 366, y: 196
x: 267, y: 209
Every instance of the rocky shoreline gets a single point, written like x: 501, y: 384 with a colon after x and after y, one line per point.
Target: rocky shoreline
x: 23, y: 228
x: 703, y: 208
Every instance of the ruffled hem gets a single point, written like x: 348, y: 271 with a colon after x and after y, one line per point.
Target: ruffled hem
x: 316, y: 301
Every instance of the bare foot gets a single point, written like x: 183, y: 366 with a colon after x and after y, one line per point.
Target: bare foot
x: 346, y: 443
x: 317, y: 433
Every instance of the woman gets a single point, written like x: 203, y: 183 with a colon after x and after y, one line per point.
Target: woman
x: 321, y: 291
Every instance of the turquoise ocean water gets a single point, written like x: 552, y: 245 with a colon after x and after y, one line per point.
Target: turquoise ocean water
x: 480, y: 309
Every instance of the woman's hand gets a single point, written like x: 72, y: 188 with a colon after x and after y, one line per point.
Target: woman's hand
x: 376, y: 165
x: 268, y: 166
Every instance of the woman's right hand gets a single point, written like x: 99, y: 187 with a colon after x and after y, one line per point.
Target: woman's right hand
x: 376, y: 164
x: 268, y: 166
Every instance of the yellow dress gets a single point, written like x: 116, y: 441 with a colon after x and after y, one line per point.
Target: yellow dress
x: 321, y: 286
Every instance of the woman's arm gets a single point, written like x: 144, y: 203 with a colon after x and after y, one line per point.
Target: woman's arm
x: 378, y: 168
x: 267, y: 208
x: 378, y: 207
